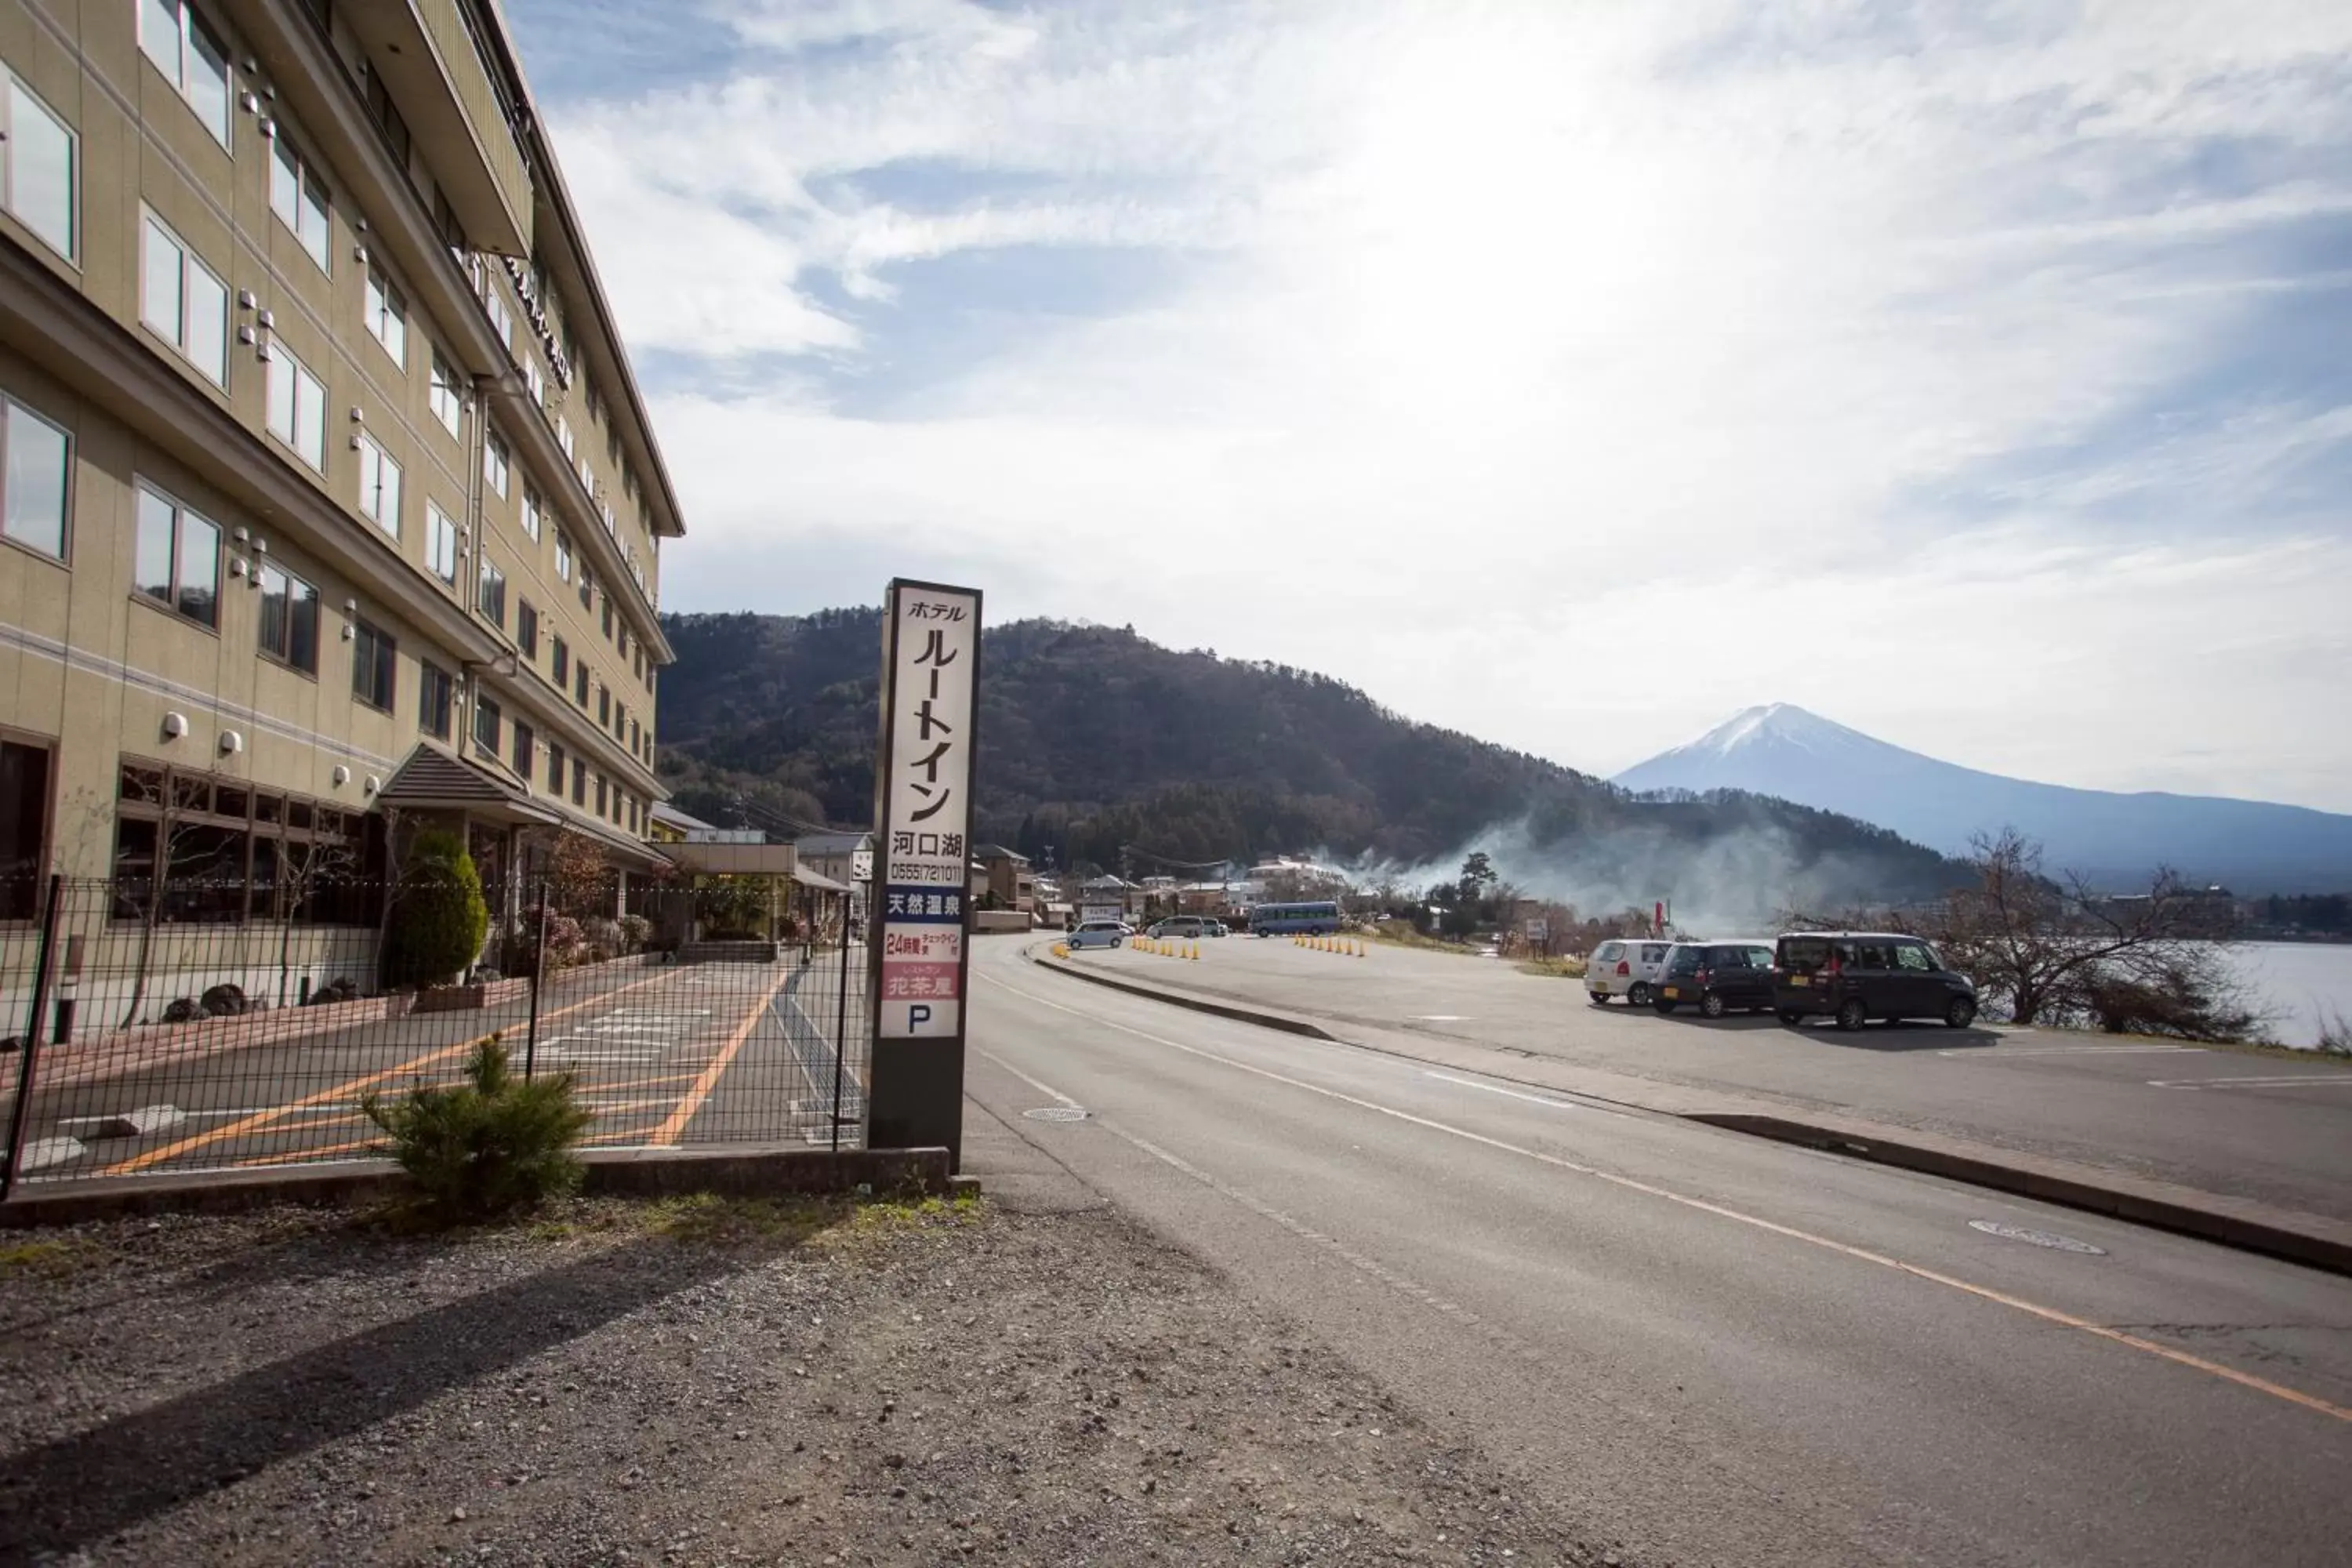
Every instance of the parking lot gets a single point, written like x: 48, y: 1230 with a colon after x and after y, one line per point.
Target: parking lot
x: 2267, y: 1128
x: 715, y: 1053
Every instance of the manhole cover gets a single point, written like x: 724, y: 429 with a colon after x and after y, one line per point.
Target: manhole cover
x: 1057, y: 1113
x: 2049, y: 1238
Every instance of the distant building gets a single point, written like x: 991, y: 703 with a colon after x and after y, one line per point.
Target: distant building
x: 844, y: 857
x: 1008, y: 876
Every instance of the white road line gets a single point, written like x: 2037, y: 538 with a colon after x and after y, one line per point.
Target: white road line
x: 1499, y: 1089
x: 2298, y: 1080
x: 2000, y: 1054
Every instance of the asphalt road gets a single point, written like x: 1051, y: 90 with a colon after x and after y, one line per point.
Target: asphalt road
x: 716, y: 1053
x: 1708, y: 1348
x: 2262, y: 1128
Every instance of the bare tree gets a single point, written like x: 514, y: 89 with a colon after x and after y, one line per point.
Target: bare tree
x: 2064, y: 952
x: 177, y: 854
x: 304, y: 867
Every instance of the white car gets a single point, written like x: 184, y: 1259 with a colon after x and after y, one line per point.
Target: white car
x: 1630, y: 968
x: 1100, y: 933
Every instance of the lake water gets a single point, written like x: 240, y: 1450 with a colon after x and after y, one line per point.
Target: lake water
x: 2303, y: 982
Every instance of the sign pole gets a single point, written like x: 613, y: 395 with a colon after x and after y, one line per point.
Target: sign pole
x: 919, y: 948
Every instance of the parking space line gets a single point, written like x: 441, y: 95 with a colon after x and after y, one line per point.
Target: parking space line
x: 691, y: 1103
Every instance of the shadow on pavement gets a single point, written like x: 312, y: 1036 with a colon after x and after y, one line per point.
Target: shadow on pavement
x: 79, y: 1490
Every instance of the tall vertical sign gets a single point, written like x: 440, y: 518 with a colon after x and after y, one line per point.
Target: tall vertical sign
x: 920, y: 960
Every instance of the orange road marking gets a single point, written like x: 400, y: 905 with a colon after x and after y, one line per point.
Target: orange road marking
x: 355, y: 1086
x: 2047, y: 1314
x: 688, y: 1107
x: 301, y: 1155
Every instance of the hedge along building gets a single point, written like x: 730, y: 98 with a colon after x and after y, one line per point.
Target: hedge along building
x: 327, y: 495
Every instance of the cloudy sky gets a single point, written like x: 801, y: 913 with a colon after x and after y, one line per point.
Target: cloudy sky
x: 1570, y: 371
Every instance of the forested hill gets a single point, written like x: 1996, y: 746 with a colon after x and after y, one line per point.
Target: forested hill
x: 1093, y: 740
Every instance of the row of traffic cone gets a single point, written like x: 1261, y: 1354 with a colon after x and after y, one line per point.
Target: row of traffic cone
x: 1345, y: 947
x: 1191, y: 949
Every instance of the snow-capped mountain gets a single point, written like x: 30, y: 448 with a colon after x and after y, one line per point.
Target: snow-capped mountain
x: 2114, y: 839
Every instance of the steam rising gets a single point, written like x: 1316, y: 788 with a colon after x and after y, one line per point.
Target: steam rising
x: 1731, y: 883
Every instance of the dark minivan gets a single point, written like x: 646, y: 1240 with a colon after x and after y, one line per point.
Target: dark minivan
x: 1854, y: 976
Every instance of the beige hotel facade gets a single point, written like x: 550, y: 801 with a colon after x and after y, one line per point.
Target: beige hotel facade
x: 327, y: 493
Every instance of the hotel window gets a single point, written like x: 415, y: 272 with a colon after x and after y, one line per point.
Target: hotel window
x: 182, y: 301
x: 530, y: 511
x: 562, y: 557
x: 39, y: 166
x: 563, y: 433
x: 524, y: 742
x: 190, y: 57
x: 587, y: 586
x: 487, y: 724
x: 608, y: 618
x: 562, y: 662
x: 495, y: 462
x: 494, y: 305
x: 579, y: 782
x: 386, y: 314
x: 601, y: 807
x: 298, y: 197
x: 490, y: 594
x: 579, y: 681
x: 604, y: 706
x: 554, y: 768
x: 527, y: 628
x: 534, y: 378
x: 373, y: 665
x: 298, y: 407
x: 448, y: 395
x: 176, y: 562
x: 440, y: 545
x: 37, y: 472
x: 290, y: 619
x: 435, y: 696
x: 27, y: 766
x: 379, y: 486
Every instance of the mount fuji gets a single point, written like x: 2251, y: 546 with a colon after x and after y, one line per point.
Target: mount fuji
x: 2113, y: 840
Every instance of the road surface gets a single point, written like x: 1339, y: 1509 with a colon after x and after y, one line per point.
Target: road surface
x: 1708, y: 1348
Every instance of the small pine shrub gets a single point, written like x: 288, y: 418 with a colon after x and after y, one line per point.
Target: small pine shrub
x: 490, y: 1145
x: 437, y: 926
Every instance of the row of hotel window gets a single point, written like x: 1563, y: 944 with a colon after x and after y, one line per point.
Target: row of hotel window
x: 184, y: 302
x: 177, y: 560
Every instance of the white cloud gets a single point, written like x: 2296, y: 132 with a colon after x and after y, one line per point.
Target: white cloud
x: 1511, y: 352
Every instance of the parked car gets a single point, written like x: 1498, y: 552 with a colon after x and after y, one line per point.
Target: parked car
x: 1855, y: 976
x: 1100, y: 933
x: 1214, y: 928
x: 1628, y: 968
x: 1718, y: 977
x: 1180, y: 928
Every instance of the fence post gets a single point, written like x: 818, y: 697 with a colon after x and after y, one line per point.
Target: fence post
x: 537, y: 977
x: 21, y: 1118
x: 841, y: 1023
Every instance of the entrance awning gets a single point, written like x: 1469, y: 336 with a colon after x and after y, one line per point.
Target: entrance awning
x: 817, y: 881
x: 430, y: 779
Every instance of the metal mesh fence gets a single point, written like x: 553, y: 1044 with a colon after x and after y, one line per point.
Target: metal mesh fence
x: 184, y: 1033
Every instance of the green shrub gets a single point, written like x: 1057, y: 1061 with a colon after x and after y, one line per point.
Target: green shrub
x: 439, y: 919
x: 490, y: 1145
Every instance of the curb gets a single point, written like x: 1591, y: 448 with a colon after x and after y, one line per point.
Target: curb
x: 2245, y: 1232
x: 1197, y: 1004
x: 633, y: 1173
x: 2317, y: 1242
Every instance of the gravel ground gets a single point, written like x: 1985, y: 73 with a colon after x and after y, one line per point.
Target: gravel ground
x: 699, y: 1383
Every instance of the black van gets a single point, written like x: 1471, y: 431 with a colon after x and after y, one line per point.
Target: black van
x: 1854, y: 976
